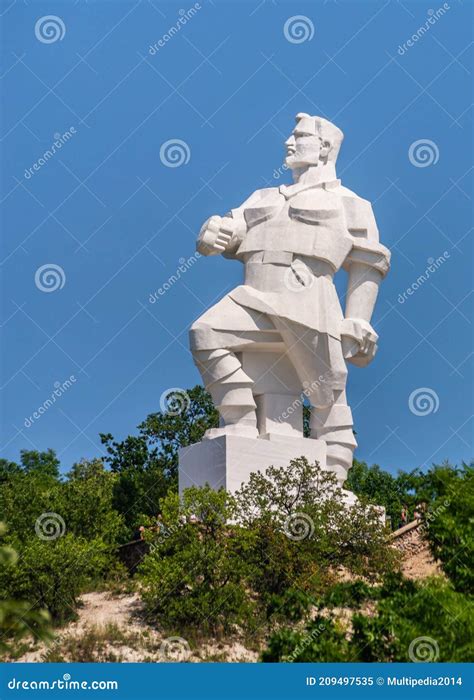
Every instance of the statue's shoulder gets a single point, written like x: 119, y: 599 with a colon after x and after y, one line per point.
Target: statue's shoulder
x: 265, y: 193
x: 348, y: 194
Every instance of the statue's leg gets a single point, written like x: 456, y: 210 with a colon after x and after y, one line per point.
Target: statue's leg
x: 231, y: 391
x: 215, y: 339
x: 334, y: 425
x: 320, y: 365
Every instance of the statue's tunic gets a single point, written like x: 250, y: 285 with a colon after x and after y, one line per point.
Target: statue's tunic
x: 292, y: 240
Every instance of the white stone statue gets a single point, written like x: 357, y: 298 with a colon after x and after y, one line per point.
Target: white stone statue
x: 283, y: 333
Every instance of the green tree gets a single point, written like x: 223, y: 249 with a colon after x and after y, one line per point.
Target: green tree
x: 147, y: 464
x: 88, y: 503
x: 449, y: 522
x: 381, y: 488
x: 42, y: 463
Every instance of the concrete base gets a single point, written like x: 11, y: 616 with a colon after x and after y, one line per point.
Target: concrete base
x: 227, y: 461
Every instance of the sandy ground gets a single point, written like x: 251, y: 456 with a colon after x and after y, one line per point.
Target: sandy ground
x: 130, y: 639
x: 417, y: 562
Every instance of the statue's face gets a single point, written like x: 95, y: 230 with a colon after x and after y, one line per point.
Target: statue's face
x: 304, y: 147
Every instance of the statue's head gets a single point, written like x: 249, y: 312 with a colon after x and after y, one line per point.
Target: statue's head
x: 314, y: 141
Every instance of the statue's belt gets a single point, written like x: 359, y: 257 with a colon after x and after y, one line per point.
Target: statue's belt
x: 282, y: 259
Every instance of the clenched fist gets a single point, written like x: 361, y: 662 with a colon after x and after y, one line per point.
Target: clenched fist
x: 215, y: 235
x: 359, y: 341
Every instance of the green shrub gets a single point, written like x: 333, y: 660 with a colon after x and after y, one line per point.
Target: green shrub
x: 348, y: 594
x: 291, y: 605
x: 51, y: 574
x: 302, y: 531
x: 449, y: 523
x: 17, y: 619
x: 426, y: 621
x: 195, y: 574
x: 323, y: 640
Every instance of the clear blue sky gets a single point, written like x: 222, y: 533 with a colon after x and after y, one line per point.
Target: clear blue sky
x: 117, y: 221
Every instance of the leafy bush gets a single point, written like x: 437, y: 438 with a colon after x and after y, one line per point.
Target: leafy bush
x: 323, y: 640
x: 195, y: 574
x: 268, y: 549
x: 292, y: 605
x: 432, y: 610
x: 302, y: 531
x: 449, y: 522
x: 425, y: 622
x: 84, y: 501
x: 50, y: 574
x: 347, y: 594
x: 17, y: 619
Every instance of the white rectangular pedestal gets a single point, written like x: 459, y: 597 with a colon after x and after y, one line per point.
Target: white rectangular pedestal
x: 227, y: 461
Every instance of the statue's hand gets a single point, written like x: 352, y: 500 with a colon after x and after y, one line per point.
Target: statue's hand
x: 215, y: 235
x: 359, y: 341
